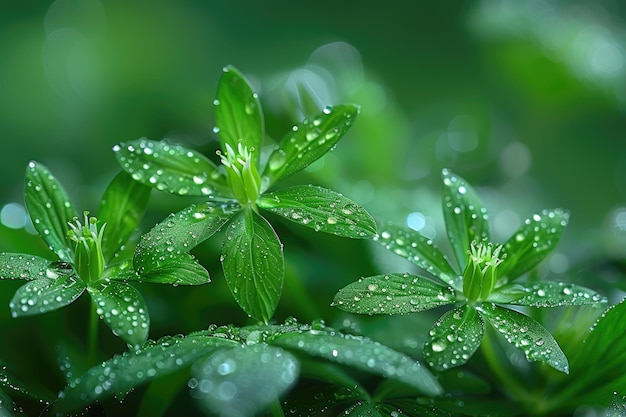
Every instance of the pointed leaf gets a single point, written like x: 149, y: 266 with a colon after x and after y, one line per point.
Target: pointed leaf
x: 169, y: 167
x: 546, y: 294
x: 465, y: 216
x: 321, y: 209
x: 123, y: 309
x: 183, y: 269
x: 252, y: 258
x: 22, y: 266
x: 420, y: 250
x: 454, y: 338
x: 61, y: 288
x: 243, y: 380
x: 526, y: 334
x: 534, y: 240
x: 238, y: 112
x: 362, y: 409
x: 123, y: 203
x: 393, y: 294
x: 179, y: 233
x: 309, y: 141
x: 50, y: 209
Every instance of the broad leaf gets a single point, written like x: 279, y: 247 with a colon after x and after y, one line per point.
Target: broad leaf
x: 534, y: 240
x: 183, y: 269
x: 411, y: 408
x: 546, y: 294
x: 243, y: 380
x: 362, y: 409
x: 454, y: 338
x: 321, y: 209
x: 22, y: 266
x: 50, y: 209
x: 123, y: 203
x: 309, y: 140
x: 238, y: 113
x: 420, y: 250
x: 169, y: 167
x: 526, y: 334
x: 465, y: 216
x: 123, y: 309
x: 46, y: 294
x: 252, y: 258
x: 393, y: 294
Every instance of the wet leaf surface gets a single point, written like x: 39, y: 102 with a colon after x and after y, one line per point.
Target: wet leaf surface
x: 46, y: 294
x: 546, y: 294
x: 22, y: 266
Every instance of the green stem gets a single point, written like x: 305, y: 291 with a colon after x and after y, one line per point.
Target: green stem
x: 275, y: 409
x: 93, y: 334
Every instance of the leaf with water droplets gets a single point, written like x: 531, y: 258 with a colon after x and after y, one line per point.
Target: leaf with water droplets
x: 361, y: 353
x: 309, y: 141
x: 7, y: 407
x: 46, y: 294
x: 526, y: 334
x: 254, y: 268
x: 465, y: 216
x: 321, y: 209
x: 420, y: 250
x: 22, y: 266
x: 393, y: 294
x: 11, y: 383
x: 183, y: 269
x: 170, y: 167
x: 362, y: 409
x: 123, y: 203
x: 533, y: 241
x: 546, y: 294
x: 50, y: 209
x: 238, y: 113
x: 123, y: 309
x: 410, y: 408
x: 121, y: 373
x: 454, y: 338
x: 243, y: 380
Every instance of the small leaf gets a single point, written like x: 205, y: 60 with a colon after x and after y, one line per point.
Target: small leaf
x: 420, y: 250
x: 243, y: 380
x: 454, y: 338
x: 50, y: 209
x: 321, y: 209
x: 526, y: 334
x: 46, y: 294
x: 238, y: 113
x: 393, y: 294
x: 169, y: 167
x: 465, y: 216
x: 123, y: 203
x: 534, y: 240
x: 123, y: 309
x: 252, y: 258
x: 22, y: 266
x: 183, y: 269
x: 546, y: 294
x: 309, y: 141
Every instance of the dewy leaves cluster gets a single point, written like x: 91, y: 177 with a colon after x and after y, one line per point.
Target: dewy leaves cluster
x: 483, y: 281
x: 237, y: 190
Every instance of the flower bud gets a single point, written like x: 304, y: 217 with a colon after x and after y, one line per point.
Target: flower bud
x: 88, y: 255
x: 479, y: 277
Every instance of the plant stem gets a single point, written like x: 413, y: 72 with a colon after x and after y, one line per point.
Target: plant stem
x: 93, y: 333
x: 275, y: 409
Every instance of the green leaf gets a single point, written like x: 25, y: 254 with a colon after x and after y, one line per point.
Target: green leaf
x: 465, y: 216
x: 309, y: 141
x: 454, y: 338
x: 122, y: 373
x: 179, y: 233
x: 526, y: 334
x: 238, y: 113
x: 123, y: 309
x: 420, y: 250
x: 361, y: 409
x: 410, y: 408
x: 533, y: 241
x: 50, y: 209
x: 393, y: 294
x: 243, y: 380
x: 321, y: 209
x: 183, y: 269
x: 361, y: 353
x: 22, y: 266
x: 46, y: 294
x: 170, y: 167
x: 252, y: 258
x: 545, y: 294
x: 11, y: 383
x: 7, y: 407
x: 123, y: 203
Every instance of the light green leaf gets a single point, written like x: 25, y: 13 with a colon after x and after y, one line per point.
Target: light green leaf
x: 526, y: 334
x: 361, y: 409
x: 22, y: 266
x: 60, y: 288
x: 534, y: 240
x: 465, y: 216
x: 123, y: 309
x: 393, y: 294
x: 238, y: 113
x: 420, y: 250
x: 252, y: 258
x: 123, y: 203
x: 309, y: 140
x: 546, y: 294
x: 321, y: 209
x: 183, y: 269
x: 243, y: 380
x: 454, y: 338
x: 170, y: 167
x: 50, y: 209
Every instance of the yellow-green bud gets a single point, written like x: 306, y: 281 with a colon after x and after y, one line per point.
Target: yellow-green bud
x: 88, y: 256
x: 241, y: 173
x: 479, y: 277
